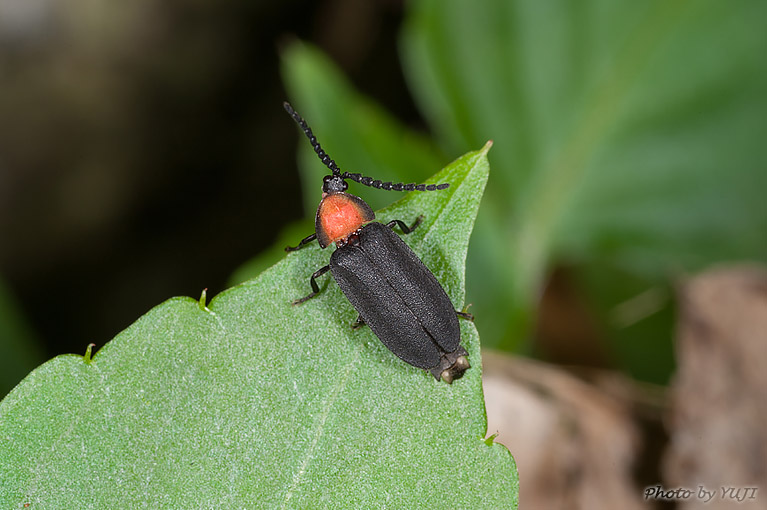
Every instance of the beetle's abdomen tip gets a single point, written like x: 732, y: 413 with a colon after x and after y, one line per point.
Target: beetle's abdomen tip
x: 457, y: 363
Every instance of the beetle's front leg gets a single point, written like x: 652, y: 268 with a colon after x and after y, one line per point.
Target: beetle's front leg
x: 405, y: 229
x: 306, y: 240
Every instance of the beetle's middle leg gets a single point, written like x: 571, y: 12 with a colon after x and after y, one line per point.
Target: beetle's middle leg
x: 315, y: 288
x: 358, y: 323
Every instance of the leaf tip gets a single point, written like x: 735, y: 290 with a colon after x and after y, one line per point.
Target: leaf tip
x: 88, y: 356
x: 486, y: 147
x: 203, y: 301
x: 491, y: 439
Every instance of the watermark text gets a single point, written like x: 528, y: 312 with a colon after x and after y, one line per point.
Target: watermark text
x: 701, y: 493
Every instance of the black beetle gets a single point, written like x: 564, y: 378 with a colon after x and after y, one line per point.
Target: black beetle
x: 394, y: 293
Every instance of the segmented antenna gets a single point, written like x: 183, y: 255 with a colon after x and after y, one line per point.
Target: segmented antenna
x: 366, y: 181
x: 312, y: 139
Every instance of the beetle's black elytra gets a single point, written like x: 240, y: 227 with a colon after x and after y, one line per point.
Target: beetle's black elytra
x: 394, y: 293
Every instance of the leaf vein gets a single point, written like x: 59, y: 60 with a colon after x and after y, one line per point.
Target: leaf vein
x: 327, y: 404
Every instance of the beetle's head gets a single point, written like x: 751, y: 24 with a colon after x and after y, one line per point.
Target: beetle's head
x: 334, y: 184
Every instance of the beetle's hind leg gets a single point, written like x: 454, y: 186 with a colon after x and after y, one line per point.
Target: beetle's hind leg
x: 465, y: 315
x: 315, y: 288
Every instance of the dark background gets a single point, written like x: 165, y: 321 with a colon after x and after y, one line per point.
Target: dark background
x: 144, y: 152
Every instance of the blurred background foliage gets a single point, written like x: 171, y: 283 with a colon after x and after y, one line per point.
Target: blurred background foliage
x: 144, y: 153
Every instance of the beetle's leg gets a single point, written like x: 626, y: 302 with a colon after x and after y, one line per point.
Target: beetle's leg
x: 465, y: 315
x: 405, y: 229
x: 358, y: 323
x: 315, y: 288
x: 306, y: 240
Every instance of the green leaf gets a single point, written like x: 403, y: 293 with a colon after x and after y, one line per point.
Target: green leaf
x: 250, y: 402
x: 631, y: 132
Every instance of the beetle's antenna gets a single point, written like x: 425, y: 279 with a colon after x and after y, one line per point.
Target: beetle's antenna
x: 312, y: 139
x: 367, y: 181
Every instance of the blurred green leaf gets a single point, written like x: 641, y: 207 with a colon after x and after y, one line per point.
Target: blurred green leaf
x: 627, y: 131
x: 289, y: 236
x: 355, y: 132
x: 20, y: 350
x: 254, y: 403
x: 639, y: 314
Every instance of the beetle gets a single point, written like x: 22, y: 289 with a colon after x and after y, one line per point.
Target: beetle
x: 394, y: 293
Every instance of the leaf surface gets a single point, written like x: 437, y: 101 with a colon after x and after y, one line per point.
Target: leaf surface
x: 253, y: 403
